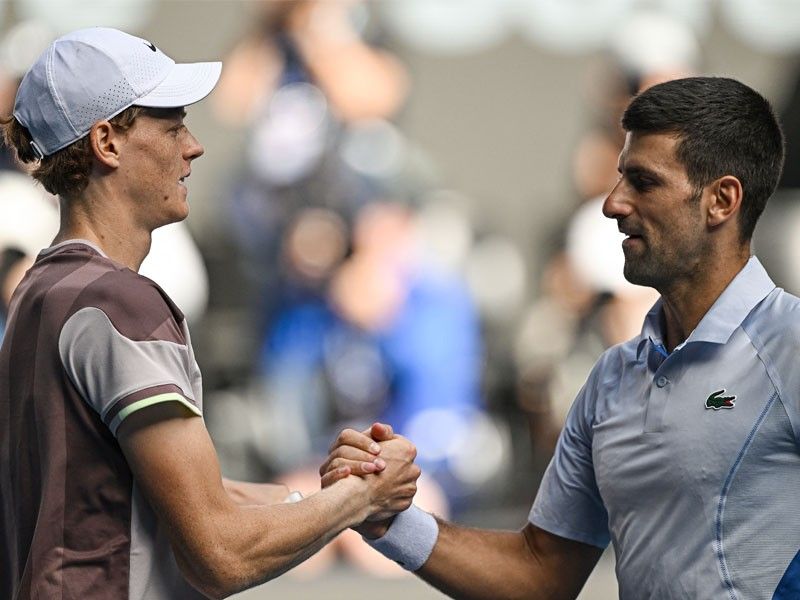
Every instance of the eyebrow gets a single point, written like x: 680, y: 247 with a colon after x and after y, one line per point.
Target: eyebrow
x: 638, y: 170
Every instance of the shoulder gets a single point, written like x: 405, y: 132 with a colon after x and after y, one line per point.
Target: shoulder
x: 775, y: 323
x: 135, y: 305
x: 603, y: 382
x: 613, y: 363
x: 773, y: 328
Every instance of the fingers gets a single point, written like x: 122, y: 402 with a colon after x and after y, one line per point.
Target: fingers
x: 399, y: 448
x: 359, y: 461
x: 356, y: 439
x: 355, y: 467
x: 393, y: 490
x: 333, y: 476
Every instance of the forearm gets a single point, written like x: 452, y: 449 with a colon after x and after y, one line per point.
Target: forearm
x: 221, y: 546
x: 245, y: 493
x: 247, y: 545
x: 481, y: 564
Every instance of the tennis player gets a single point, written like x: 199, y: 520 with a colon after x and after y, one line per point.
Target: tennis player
x: 683, y: 447
x: 109, y: 483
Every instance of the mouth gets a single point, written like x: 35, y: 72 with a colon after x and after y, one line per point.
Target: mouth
x: 632, y: 237
x: 182, y: 180
x: 631, y: 241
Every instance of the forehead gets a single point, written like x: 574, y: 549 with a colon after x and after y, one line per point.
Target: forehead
x: 170, y: 114
x: 656, y: 152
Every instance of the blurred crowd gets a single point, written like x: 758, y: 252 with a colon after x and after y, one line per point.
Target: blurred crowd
x: 365, y: 291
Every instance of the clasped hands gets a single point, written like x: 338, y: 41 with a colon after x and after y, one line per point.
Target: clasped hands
x: 385, y: 462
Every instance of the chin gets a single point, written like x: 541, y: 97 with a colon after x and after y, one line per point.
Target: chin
x: 173, y: 218
x: 636, y: 275
x: 181, y: 212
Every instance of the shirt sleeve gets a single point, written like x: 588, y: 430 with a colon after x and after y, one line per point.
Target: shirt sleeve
x: 568, y: 503
x: 117, y: 375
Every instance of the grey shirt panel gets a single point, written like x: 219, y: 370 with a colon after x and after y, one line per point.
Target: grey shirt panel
x: 106, y: 366
x: 154, y: 572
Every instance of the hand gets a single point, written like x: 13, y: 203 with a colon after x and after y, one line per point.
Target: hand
x: 355, y: 453
x: 392, y: 479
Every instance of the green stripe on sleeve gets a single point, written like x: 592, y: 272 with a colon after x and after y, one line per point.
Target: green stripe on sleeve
x: 145, y: 402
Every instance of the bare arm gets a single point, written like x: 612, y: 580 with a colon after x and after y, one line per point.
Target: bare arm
x: 222, y: 547
x: 532, y: 563
x: 245, y: 493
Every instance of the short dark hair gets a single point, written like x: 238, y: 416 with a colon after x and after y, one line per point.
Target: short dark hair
x: 724, y: 128
x: 64, y: 173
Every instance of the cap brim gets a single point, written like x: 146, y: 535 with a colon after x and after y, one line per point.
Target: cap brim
x: 185, y: 85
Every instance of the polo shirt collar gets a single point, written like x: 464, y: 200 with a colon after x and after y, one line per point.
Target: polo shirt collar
x: 750, y: 286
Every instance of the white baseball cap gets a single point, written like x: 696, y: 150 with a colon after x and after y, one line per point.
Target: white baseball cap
x: 94, y: 74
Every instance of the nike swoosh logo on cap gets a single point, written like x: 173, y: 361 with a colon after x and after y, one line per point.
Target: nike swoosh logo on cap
x: 150, y: 45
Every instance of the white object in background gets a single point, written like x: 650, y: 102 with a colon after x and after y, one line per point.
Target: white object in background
x: 769, y: 25
x: 652, y: 41
x: 572, y: 26
x: 289, y: 142
x: 176, y: 265
x: 23, y: 44
x: 28, y: 214
x: 293, y: 497
x: 496, y: 275
x: 447, y: 26
x: 594, y: 249
x: 68, y: 15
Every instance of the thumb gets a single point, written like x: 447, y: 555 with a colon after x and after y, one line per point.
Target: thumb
x: 381, y: 432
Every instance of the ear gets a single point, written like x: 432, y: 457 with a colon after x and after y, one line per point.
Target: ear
x: 105, y: 142
x: 726, y: 200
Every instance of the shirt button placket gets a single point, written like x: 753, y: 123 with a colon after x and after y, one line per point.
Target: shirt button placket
x: 656, y: 405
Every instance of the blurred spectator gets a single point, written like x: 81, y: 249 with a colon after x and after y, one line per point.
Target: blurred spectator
x: 587, y: 306
x: 310, y: 41
x: 389, y: 339
x: 305, y: 84
x: 356, y: 325
x: 28, y: 222
x: 648, y: 48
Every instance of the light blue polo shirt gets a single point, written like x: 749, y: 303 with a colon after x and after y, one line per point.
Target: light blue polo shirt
x: 690, y: 462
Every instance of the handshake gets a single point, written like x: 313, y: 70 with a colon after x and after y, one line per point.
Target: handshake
x: 380, y: 466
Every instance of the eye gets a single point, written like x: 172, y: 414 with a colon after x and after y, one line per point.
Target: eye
x: 641, y: 184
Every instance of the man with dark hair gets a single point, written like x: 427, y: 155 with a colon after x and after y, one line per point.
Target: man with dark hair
x: 109, y: 483
x: 683, y: 447
x: 724, y: 128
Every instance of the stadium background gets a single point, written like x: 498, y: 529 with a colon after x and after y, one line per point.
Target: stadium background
x: 493, y: 126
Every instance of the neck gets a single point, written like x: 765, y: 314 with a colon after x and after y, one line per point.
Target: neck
x: 687, y: 301
x: 103, y: 221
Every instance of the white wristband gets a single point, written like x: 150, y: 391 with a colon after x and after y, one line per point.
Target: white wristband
x: 410, y: 539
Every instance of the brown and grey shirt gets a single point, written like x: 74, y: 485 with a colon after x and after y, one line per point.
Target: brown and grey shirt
x: 88, y: 343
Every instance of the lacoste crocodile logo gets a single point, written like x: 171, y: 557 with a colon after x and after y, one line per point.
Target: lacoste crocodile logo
x: 717, y: 400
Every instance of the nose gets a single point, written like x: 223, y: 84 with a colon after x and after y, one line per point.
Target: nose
x: 193, y: 149
x: 615, y: 206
